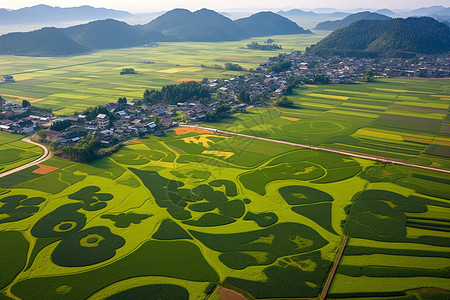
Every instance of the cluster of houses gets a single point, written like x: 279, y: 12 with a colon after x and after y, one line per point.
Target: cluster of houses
x: 121, y: 121
x: 339, y: 70
x: 348, y: 69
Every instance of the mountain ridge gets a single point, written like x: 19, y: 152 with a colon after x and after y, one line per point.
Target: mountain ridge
x: 203, y: 25
x: 338, y: 24
x: 394, y: 37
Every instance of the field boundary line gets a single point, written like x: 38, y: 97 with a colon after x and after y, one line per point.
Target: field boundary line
x: 60, y: 67
x: 323, y: 295
x: 363, y: 156
x: 45, y: 156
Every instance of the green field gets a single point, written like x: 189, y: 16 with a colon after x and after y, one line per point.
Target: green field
x: 401, y: 119
x: 15, y: 153
x: 69, y: 84
x: 175, y: 216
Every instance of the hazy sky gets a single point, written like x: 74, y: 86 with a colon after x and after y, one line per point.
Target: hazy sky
x: 157, y: 5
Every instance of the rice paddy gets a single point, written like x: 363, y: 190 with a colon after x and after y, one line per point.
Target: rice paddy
x: 196, y: 214
x: 14, y: 152
x: 70, y: 84
x: 380, y: 118
x: 222, y: 211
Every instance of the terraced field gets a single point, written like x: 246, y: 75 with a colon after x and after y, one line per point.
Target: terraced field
x: 69, y: 84
x: 15, y: 153
x: 175, y: 216
x: 401, y: 119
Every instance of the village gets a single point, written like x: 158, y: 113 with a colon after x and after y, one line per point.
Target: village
x: 274, y: 76
x: 122, y: 120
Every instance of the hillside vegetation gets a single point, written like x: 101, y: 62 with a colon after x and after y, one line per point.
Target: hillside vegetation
x: 48, y: 41
x: 396, y: 37
x: 268, y: 23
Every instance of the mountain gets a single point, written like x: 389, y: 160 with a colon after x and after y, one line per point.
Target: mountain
x: 365, y: 15
x: 202, y: 26
x: 177, y: 25
x: 296, y: 13
x: 44, y: 14
x: 268, y: 23
x: 386, y: 12
x: 47, y: 41
x: 105, y: 34
x: 395, y: 37
x: 426, y: 11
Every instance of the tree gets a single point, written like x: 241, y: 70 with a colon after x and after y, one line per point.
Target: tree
x: 321, y: 78
x: 233, y: 67
x: 284, y: 102
x: 122, y: 101
x: 281, y: 66
x: 244, y: 96
x: 157, y: 121
x: 41, y: 133
x: 2, y: 101
x: 25, y: 103
x: 60, y: 125
x: 54, y: 145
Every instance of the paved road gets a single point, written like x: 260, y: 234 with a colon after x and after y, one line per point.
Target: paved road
x: 47, y: 154
x: 364, y: 156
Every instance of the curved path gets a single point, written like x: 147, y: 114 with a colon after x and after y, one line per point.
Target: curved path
x: 46, y: 155
x: 364, y: 156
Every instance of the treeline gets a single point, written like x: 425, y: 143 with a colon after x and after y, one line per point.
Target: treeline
x: 228, y: 66
x: 266, y: 47
x: 175, y: 93
x: 87, y: 149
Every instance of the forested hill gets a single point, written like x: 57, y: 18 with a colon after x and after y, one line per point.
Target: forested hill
x: 105, y: 34
x: 395, y: 37
x: 177, y: 25
x: 268, y: 23
x: 48, y: 41
x: 335, y: 25
x: 203, y: 26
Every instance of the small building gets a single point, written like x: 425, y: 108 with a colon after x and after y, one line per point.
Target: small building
x: 102, y: 121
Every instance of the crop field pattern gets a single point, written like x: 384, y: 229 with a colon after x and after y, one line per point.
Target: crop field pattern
x: 400, y: 119
x: 14, y: 152
x: 70, y: 84
x: 266, y: 221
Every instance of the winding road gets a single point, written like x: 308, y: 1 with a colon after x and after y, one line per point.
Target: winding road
x: 358, y: 155
x: 46, y: 155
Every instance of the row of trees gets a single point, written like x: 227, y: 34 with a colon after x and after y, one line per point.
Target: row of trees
x: 266, y: 47
x: 175, y: 93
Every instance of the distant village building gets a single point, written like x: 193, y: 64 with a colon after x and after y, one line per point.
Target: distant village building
x: 102, y: 121
x: 127, y: 71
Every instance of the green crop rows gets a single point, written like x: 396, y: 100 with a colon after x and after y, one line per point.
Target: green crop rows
x: 70, y: 84
x: 402, y: 119
x: 145, y: 219
x: 15, y: 153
